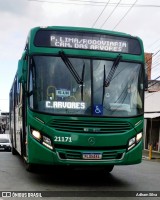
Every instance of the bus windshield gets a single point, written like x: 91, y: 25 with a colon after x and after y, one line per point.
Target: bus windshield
x: 80, y: 88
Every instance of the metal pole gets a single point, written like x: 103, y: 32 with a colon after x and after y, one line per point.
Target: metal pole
x: 150, y: 142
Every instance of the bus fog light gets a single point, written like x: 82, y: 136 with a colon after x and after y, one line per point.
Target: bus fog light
x: 47, y: 142
x: 138, y: 137
x: 36, y: 134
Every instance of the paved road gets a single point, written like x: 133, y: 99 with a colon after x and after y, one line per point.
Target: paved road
x: 142, y: 177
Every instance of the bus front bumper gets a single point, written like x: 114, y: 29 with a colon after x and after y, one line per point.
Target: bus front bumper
x: 39, y: 154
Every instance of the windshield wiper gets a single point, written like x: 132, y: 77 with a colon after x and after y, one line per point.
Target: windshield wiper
x: 70, y: 67
x: 74, y: 73
x: 82, y: 80
x: 112, y: 71
x: 104, y: 79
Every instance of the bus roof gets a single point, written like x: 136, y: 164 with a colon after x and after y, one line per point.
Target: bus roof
x: 93, y: 30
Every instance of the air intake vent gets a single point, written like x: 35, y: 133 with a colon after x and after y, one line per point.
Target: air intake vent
x: 74, y: 155
x: 87, y: 126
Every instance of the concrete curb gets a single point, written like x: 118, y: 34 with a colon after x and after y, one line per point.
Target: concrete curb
x: 147, y: 158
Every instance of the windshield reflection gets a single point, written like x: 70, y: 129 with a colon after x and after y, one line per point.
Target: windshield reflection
x: 123, y: 96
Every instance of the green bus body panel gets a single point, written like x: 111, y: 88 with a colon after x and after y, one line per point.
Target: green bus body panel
x: 39, y: 154
x: 104, y: 143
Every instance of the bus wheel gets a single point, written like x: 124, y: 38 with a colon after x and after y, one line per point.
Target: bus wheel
x: 29, y: 167
x: 14, y: 152
x: 109, y: 168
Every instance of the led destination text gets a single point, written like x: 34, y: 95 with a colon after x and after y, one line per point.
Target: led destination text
x: 65, y: 105
x: 91, y: 43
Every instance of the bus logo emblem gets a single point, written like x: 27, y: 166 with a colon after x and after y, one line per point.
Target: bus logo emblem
x: 92, y: 140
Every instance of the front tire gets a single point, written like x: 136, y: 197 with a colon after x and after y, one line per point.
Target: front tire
x: 14, y: 152
x: 29, y: 167
x: 109, y: 168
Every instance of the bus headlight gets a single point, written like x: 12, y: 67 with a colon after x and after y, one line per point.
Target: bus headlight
x: 135, y: 140
x: 36, y: 134
x: 46, y: 141
x: 138, y: 137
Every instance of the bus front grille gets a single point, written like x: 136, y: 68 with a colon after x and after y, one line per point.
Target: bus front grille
x: 90, y: 126
x: 74, y: 155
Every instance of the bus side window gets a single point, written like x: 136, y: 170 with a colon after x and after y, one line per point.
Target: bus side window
x: 31, y: 89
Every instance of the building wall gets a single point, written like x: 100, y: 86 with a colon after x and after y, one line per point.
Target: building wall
x: 148, y: 60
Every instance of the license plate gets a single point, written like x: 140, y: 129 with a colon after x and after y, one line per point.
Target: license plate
x: 1, y: 148
x: 92, y: 156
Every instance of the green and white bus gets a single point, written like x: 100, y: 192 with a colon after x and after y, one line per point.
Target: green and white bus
x: 77, y: 98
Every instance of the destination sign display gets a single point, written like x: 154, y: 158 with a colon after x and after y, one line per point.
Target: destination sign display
x: 91, y: 43
x: 87, y: 41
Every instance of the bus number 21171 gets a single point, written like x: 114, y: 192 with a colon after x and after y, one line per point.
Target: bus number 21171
x: 62, y: 139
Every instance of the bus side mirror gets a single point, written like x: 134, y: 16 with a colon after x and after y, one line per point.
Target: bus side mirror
x: 22, y: 68
x: 146, y: 82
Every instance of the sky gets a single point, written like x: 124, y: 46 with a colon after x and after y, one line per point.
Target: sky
x: 136, y: 17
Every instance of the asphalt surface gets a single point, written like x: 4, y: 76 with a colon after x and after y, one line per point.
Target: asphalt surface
x: 123, y: 181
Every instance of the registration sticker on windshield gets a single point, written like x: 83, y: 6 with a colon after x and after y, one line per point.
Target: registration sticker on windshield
x: 63, y: 93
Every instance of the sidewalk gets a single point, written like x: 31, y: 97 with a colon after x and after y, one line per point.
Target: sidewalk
x: 155, y: 155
